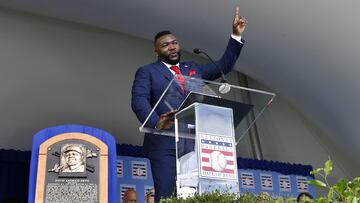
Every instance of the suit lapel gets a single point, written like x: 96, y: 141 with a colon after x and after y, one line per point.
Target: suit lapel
x: 161, y: 67
x: 184, y: 68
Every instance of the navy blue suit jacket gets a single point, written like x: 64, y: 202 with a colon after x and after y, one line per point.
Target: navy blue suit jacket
x: 152, y: 79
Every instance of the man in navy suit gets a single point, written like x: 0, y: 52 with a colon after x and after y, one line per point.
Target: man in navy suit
x: 150, y: 82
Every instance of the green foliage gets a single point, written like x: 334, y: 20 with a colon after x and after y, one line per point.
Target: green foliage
x: 340, y: 192
x: 317, y: 183
x: 217, y: 197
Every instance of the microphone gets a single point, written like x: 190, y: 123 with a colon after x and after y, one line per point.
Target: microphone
x: 225, y: 87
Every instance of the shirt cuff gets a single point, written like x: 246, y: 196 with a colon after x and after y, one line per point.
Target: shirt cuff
x: 237, y: 38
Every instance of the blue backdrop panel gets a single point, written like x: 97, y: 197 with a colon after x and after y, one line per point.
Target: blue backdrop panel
x: 47, y: 133
x: 14, y: 171
x: 131, y: 172
x: 280, y: 167
x: 274, y: 183
x: 134, y: 173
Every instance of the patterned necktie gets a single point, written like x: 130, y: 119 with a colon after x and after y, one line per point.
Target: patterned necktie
x: 179, y: 77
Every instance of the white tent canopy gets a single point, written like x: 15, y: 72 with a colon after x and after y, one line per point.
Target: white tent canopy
x: 305, y: 51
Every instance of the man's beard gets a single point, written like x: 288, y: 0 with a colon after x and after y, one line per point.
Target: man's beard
x: 168, y: 60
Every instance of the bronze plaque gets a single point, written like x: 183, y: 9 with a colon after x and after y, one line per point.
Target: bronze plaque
x: 72, y: 169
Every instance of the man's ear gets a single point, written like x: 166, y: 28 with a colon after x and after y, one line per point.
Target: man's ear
x: 156, y: 54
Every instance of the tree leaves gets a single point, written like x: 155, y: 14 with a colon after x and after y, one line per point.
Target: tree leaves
x: 317, y: 183
x: 328, y: 167
x: 341, y: 191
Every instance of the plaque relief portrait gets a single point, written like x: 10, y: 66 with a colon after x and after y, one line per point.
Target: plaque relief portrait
x: 73, y: 158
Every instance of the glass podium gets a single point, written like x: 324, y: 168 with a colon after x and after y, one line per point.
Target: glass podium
x: 211, y: 119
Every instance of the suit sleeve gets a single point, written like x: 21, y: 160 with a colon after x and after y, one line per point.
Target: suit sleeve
x: 141, y: 98
x: 226, y: 62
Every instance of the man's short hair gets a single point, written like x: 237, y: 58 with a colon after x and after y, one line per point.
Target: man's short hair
x: 160, y: 34
x: 303, y: 193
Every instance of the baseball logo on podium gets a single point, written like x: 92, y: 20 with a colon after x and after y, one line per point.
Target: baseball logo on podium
x: 217, y: 157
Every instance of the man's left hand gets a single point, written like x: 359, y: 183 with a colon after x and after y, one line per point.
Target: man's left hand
x: 239, y: 23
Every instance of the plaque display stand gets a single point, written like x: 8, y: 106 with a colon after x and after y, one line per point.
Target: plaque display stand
x: 73, y: 166
x: 210, y: 121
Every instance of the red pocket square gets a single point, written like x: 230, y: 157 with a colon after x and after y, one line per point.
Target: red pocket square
x: 192, y: 72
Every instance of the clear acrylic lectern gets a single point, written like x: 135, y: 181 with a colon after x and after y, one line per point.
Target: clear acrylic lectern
x: 212, y: 118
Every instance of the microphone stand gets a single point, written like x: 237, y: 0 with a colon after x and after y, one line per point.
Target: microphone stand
x: 225, y: 87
